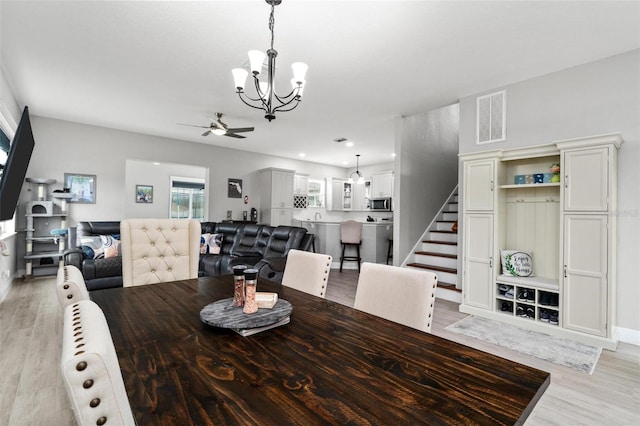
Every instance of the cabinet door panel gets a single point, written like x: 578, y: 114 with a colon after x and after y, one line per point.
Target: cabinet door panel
x: 479, y: 185
x: 478, y: 260
x: 586, y: 180
x: 585, y: 274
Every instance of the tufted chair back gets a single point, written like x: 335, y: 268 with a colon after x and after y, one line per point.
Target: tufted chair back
x: 159, y: 250
x: 90, y: 368
x: 402, y: 295
x: 70, y: 285
x: 306, y: 271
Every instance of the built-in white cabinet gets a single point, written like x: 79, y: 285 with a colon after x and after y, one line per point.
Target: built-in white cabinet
x: 478, y: 273
x: 479, y: 185
x: 517, y: 200
x: 276, y: 203
x: 585, y: 272
x: 382, y: 185
x: 586, y: 179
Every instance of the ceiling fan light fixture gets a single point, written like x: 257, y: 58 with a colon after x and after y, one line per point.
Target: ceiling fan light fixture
x: 267, y: 100
x: 219, y: 131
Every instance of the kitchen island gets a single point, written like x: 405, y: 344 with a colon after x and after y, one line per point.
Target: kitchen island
x: 375, y: 240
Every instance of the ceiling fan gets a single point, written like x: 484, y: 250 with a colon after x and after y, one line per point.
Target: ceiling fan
x: 217, y: 127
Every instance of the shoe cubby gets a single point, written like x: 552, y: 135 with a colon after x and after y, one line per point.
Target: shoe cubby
x: 529, y: 301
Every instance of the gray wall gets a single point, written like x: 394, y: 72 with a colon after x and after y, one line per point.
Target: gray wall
x: 63, y: 146
x: 596, y: 98
x: 426, y: 171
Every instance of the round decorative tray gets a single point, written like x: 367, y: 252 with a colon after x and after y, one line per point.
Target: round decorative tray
x: 223, y: 314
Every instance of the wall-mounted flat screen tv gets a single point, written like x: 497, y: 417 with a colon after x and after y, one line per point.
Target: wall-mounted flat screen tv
x: 13, y: 172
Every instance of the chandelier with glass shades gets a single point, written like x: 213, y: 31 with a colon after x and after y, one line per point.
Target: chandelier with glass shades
x: 357, y: 173
x: 267, y: 99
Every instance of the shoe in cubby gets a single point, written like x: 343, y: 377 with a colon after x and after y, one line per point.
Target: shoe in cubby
x: 526, y: 295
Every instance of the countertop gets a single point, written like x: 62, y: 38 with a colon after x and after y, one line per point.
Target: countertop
x: 329, y: 222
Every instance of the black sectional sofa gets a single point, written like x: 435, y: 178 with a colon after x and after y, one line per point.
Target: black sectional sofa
x: 261, y: 246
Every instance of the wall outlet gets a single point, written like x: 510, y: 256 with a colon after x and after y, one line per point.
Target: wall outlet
x: 5, y: 274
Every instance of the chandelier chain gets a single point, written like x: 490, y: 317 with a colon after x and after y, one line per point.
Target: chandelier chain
x: 271, y: 23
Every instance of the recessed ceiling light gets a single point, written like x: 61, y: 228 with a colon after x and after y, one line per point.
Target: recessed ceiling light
x: 302, y: 155
x: 349, y: 144
x: 393, y: 154
x: 155, y: 163
x: 345, y: 163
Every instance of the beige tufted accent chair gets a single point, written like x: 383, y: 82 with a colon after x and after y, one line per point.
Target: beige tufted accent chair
x: 70, y: 285
x: 306, y: 271
x: 401, y: 295
x: 90, y: 368
x: 159, y: 250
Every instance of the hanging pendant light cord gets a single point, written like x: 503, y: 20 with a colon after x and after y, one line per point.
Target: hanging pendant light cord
x: 272, y: 21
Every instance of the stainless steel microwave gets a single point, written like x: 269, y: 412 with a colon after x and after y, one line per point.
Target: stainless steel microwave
x: 380, y: 204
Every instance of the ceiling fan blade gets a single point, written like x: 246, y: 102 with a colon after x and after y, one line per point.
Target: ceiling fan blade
x: 207, y: 133
x: 233, y: 135
x: 241, y: 129
x: 193, y: 125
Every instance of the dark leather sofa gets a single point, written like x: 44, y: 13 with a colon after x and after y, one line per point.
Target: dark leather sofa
x: 98, y: 273
x: 259, y: 246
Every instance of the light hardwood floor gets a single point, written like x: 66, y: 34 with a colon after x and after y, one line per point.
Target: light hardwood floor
x: 32, y: 392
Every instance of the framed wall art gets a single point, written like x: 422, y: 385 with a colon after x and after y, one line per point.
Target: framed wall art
x: 144, y: 194
x: 235, y: 188
x: 81, y: 187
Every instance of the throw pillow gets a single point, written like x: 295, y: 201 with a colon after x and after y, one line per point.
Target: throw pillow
x: 92, y: 247
x: 110, y: 246
x: 215, y: 243
x: 516, y: 263
x: 204, y: 243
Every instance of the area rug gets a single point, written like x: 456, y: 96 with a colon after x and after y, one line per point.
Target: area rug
x: 544, y: 346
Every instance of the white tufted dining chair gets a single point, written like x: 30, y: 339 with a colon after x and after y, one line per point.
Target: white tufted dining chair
x: 70, y: 285
x: 159, y: 250
x: 306, y: 271
x: 401, y: 295
x: 90, y: 368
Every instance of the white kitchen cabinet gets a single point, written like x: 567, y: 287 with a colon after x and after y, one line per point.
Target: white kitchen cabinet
x: 479, y: 185
x: 276, y: 193
x: 478, y: 272
x: 347, y: 195
x: 382, y: 185
x: 334, y: 193
x: 585, y: 272
x: 361, y: 195
x: 300, y: 185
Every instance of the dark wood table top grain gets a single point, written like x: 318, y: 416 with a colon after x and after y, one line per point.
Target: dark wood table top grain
x: 331, y: 364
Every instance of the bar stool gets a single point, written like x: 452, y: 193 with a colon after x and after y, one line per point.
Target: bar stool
x: 390, y: 249
x: 350, y: 235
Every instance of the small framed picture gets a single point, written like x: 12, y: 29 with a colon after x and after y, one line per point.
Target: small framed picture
x: 81, y: 187
x: 235, y: 188
x: 144, y: 194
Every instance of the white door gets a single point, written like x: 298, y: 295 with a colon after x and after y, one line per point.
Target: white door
x: 477, y: 272
x: 586, y: 183
x: 479, y: 185
x: 585, y: 274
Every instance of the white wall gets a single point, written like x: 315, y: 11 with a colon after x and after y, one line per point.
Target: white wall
x: 596, y: 98
x: 10, y: 116
x: 426, y: 172
x: 157, y: 175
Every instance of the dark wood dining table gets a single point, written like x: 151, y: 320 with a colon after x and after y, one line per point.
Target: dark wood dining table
x: 331, y: 364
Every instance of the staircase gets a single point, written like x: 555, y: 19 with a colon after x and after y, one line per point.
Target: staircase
x: 438, y: 251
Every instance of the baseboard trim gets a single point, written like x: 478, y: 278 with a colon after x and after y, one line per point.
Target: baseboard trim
x: 627, y: 335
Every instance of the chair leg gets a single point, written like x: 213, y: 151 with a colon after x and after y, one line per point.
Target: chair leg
x: 358, y: 250
x: 342, y: 257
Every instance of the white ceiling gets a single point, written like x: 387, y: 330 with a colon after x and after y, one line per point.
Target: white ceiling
x: 145, y: 66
